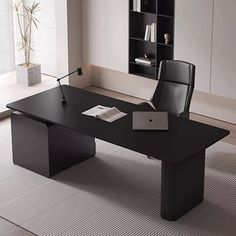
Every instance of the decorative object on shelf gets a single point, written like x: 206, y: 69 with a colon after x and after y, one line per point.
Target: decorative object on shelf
x: 147, y: 33
x: 167, y: 38
x: 27, y: 73
x: 146, y: 61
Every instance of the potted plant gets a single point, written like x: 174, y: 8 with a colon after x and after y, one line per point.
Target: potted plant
x: 27, y: 73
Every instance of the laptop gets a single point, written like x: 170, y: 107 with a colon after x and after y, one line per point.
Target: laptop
x: 146, y: 120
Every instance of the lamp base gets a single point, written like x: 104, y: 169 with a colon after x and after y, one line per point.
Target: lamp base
x: 63, y: 102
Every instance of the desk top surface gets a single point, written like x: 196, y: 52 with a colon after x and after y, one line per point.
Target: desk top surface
x: 184, y: 138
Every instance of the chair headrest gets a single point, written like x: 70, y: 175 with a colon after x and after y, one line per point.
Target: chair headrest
x: 177, y: 72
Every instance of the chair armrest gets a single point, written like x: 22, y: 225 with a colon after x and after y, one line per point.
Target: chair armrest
x: 184, y: 114
x: 144, y: 106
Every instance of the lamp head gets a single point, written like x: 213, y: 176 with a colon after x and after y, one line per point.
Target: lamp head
x: 79, y: 71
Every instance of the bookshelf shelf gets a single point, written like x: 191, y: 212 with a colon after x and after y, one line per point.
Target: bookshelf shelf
x: 143, y: 12
x: 166, y: 45
x: 137, y: 64
x: 160, y: 12
x: 140, y: 39
x: 165, y: 16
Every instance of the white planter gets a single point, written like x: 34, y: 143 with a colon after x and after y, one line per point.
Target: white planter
x: 28, y: 75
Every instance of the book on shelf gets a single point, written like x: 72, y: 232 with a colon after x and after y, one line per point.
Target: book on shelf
x: 108, y: 114
x: 134, y: 5
x: 147, y: 35
x: 139, y: 5
x: 145, y: 61
x: 150, y: 33
x: 153, y: 33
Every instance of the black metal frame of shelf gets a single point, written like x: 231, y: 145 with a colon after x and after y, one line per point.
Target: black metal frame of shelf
x: 160, y: 12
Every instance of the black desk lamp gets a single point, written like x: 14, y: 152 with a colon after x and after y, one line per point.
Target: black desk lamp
x: 79, y: 72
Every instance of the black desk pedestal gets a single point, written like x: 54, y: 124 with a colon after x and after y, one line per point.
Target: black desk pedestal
x: 47, y: 149
x: 182, y: 186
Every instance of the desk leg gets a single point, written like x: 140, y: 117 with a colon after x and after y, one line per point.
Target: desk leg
x: 47, y: 149
x: 182, y: 186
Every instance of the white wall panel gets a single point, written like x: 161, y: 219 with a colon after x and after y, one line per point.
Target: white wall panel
x: 193, y: 37
x: 105, y: 33
x: 7, y: 61
x: 224, y: 50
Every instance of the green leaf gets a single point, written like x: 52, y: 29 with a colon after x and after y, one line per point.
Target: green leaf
x: 35, y: 23
x: 36, y: 19
x: 21, y: 48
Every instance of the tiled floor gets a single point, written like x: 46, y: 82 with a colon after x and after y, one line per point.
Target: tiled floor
x: 9, y: 229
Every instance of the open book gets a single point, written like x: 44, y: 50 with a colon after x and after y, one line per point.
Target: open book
x: 108, y: 114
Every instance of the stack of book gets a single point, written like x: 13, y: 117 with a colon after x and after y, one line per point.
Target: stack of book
x: 150, y: 33
x: 145, y: 61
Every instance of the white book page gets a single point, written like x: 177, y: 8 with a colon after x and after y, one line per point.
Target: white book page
x: 95, y: 111
x: 111, y: 115
x: 108, y: 114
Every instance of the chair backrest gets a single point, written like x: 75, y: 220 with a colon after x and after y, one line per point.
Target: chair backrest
x: 175, y: 88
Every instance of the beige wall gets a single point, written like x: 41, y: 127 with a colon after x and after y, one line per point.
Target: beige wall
x: 122, y: 82
x: 223, y: 49
x: 214, y: 106
x: 69, y: 41
x: 105, y: 33
x: 193, y: 37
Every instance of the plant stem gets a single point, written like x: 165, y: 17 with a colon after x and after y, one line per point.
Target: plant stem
x: 27, y: 25
x: 22, y: 35
x: 30, y: 34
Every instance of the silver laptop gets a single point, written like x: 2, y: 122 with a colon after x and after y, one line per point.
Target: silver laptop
x: 147, y: 120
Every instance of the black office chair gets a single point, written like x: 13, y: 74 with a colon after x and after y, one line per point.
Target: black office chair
x: 175, y: 88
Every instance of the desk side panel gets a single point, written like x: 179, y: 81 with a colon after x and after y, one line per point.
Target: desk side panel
x: 68, y: 147
x: 45, y: 148
x: 30, y: 144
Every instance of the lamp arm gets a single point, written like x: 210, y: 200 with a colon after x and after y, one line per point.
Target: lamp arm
x: 66, y: 75
x: 62, y: 92
x: 79, y: 71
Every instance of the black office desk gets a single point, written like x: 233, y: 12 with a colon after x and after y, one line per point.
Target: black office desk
x: 49, y: 137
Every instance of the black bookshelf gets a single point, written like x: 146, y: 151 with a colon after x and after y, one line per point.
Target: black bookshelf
x: 160, y: 12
